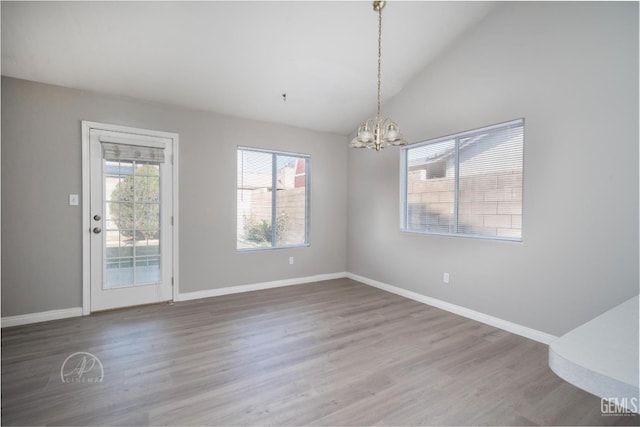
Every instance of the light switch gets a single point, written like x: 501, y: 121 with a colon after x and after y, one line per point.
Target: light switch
x: 73, y: 200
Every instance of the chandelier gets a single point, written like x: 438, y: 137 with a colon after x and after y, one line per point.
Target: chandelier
x: 378, y: 132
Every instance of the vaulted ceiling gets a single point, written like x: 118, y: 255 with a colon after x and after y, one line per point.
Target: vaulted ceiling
x: 235, y: 58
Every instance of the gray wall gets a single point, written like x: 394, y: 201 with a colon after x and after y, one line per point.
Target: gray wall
x: 41, y: 166
x: 571, y: 70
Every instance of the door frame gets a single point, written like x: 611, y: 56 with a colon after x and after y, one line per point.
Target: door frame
x: 87, y: 126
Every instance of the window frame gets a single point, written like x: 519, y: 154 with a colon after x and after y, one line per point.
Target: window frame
x: 404, y: 207
x: 274, y: 177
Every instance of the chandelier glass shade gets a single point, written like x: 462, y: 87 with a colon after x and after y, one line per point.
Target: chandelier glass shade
x: 378, y: 133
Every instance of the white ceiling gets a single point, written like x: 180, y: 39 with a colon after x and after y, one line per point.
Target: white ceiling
x: 235, y: 58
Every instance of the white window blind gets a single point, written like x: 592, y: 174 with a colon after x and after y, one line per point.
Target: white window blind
x: 467, y: 184
x: 120, y: 152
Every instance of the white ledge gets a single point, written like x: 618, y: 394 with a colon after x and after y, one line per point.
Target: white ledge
x: 601, y: 356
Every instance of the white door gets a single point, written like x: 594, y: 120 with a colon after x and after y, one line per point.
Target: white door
x: 131, y: 238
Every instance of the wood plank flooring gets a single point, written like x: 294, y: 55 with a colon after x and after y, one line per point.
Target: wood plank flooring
x: 327, y: 353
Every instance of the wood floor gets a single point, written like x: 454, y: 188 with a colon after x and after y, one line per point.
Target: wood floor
x: 328, y: 353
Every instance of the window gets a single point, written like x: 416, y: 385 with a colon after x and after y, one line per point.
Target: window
x: 468, y: 184
x: 273, y: 199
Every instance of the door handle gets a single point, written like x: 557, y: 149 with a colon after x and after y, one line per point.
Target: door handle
x: 97, y: 230
x: 97, y: 217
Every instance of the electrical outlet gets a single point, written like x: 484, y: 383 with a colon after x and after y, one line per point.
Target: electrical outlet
x: 445, y: 278
x: 73, y: 200
x: 290, y: 260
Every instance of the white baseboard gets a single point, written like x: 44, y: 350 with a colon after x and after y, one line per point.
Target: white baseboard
x: 456, y: 309
x: 524, y: 331
x: 43, y: 316
x: 258, y: 286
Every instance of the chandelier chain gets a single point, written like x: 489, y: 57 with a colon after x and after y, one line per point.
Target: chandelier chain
x: 379, y: 58
x: 378, y: 132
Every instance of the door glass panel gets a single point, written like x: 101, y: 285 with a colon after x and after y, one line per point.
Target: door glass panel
x: 132, y: 223
x: 119, y: 272
x: 147, y: 248
x: 147, y: 168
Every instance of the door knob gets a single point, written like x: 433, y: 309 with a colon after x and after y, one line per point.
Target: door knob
x: 97, y: 217
x: 97, y: 230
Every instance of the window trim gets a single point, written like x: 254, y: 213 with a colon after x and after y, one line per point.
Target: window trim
x: 274, y: 177
x: 404, y: 211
